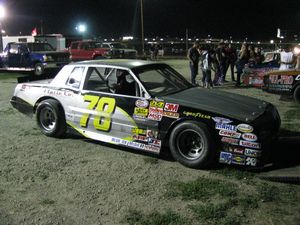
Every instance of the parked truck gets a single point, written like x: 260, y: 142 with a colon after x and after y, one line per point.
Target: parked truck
x: 32, y: 56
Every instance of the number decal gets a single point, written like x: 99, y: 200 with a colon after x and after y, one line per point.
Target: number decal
x: 105, y: 106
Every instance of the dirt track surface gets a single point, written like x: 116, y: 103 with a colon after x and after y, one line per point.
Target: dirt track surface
x: 74, y: 181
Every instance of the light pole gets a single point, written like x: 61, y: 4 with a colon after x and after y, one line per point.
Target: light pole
x: 2, y: 15
x: 142, y: 28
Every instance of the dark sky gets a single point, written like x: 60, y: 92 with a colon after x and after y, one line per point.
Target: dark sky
x: 255, y: 19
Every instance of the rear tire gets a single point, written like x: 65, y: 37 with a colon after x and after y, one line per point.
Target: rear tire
x: 191, y: 144
x: 297, y: 94
x: 38, y: 69
x: 50, y: 118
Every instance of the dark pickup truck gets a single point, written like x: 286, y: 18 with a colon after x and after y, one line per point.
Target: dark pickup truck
x: 33, y: 56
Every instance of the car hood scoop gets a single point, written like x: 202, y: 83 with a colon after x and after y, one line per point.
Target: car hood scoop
x: 226, y: 104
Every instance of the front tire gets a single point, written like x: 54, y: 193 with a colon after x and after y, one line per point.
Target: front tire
x: 297, y: 94
x: 38, y: 69
x: 51, y: 118
x: 191, y: 145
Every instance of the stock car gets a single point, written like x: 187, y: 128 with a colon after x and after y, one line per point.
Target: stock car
x: 283, y: 82
x: 148, y: 106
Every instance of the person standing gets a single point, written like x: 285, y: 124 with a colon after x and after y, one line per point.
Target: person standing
x: 221, y: 58
x: 243, y: 58
x: 193, y: 56
x: 287, y: 59
x: 206, y: 65
x: 232, y: 56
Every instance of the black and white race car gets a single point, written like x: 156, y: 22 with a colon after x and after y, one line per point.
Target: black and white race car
x: 149, y: 106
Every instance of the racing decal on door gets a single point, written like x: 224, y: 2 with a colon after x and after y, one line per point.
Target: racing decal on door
x: 105, y: 106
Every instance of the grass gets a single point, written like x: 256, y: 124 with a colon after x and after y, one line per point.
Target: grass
x: 151, y: 160
x: 234, y: 173
x: 135, y: 217
x: 7, y: 76
x: 47, y: 201
x: 201, y: 189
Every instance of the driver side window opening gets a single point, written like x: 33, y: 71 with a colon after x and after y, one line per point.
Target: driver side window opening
x: 95, y: 79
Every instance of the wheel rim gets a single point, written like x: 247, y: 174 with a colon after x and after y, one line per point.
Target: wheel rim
x: 38, y: 69
x: 47, y: 119
x: 190, y: 144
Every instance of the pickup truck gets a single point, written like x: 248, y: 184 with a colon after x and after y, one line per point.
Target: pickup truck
x: 87, y: 50
x: 90, y: 50
x: 32, y: 56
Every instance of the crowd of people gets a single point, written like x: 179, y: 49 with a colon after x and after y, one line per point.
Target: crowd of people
x: 219, y: 59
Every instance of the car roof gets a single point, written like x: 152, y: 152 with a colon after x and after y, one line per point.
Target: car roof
x: 127, y: 63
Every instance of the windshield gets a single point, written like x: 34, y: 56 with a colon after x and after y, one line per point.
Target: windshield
x: 161, y: 79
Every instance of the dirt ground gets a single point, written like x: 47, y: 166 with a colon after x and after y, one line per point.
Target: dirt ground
x: 75, y: 181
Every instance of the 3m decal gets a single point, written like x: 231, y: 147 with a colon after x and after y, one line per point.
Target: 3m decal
x: 196, y: 114
x: 157, y: 104
x: 252, y: 152
x: 251, y: 161
x: 229, y: 133
x: 225, y: 157
x: 141, y: 103
x: 105, y: 106
x: 249, y: 137
x: 250, y: 144
x: 221, y: 126
x: 221, y: 120
x: 171, y: 107
x: 245, y: 128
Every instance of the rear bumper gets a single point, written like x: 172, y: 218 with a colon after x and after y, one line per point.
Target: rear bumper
x: 22, y: 106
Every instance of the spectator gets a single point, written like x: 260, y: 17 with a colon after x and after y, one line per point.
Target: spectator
x: 287, y: 58
x: 252, y: 55
x: 221, y: 58
x: 206, y: 65
x: 232, y: 57
x: 259, y: 57
x: 193, y: 57
x: 243, y: 58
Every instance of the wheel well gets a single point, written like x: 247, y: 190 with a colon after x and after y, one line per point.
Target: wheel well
x: 294, y: 88
x: 181, y: 120
x: 45, y: 98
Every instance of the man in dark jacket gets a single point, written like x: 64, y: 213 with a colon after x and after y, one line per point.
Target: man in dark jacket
x: 193, y: 57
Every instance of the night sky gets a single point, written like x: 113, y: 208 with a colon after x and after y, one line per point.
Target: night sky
x: 256, y: 19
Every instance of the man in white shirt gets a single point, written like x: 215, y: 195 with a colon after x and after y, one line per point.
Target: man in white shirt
x: 287, y: 59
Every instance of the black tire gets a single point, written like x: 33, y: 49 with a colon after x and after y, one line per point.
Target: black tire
x: 191, y: 145
x: 38, y: 69
x: 297, y: 94
x: 50, y: 118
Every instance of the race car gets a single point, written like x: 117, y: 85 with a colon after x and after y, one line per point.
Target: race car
x: 283, y: 82
x: 148, y: 106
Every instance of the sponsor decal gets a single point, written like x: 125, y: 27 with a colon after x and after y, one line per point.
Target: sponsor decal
x: 155, y: 142
x: 141, y: 103
x: 222, y: 126
x: 277, y: 87
x: 154, y: 116
x: 238, y: 159
x: 140, y: 138
x: 229, y: 133
x: 65, y: 93
x: 251, y: 161
x: 298, y: 77
x: 196, y: 114
x: 171, y: 115
x: 157, y: 104
x: 138, y: 131
x: 150, y: 148
x: 281, y: 79
x: 245, y: 128
x: 171, y: 107
x: 221, y: 120
x: 250, y: 144
x: 237, y: 150
x: 225, y: 157
x: 152, y: 134
x: 252, y: 152
x: 156, y: 110
x: 249, y: 137
x: 232, y: 141
x: 140, y: 112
